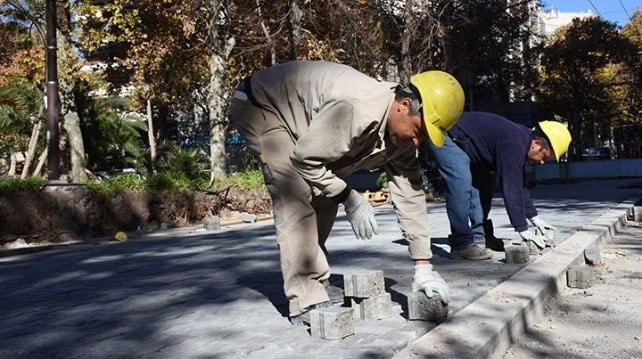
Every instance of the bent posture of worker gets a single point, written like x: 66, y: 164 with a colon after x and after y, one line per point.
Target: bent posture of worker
x: 316, y: 122
x: 477, y: 145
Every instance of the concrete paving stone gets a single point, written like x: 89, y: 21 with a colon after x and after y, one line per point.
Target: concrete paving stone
x: 580, y: 277
x: 517, y: 254
x: 331, y: 323
x: 420, y: 307
x: 189, y: 293
x: 593, y: 253
x: 363, y: 284
x: 377, y: 306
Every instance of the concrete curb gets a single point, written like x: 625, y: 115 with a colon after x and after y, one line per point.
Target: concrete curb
x: 487, y: 327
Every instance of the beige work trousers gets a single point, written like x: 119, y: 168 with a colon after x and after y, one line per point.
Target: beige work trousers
x: 303, y: 221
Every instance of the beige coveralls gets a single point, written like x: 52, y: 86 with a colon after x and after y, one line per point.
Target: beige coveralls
x: 314, y: 122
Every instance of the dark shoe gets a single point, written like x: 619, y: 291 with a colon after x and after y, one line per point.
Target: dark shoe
x: 473, y: 252
x: 303, y: 319
x: 492, y: 242
x: 495, y: 244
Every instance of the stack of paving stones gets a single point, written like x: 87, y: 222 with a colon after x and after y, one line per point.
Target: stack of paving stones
x: 368, y: 301
x: 582, y: 276
x: 367, y: 293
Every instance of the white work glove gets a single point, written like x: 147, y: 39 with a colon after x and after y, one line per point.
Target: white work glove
x: 361, y: 216
x: 541, y: 225
x: 538, y: 239
x: 429, y: 282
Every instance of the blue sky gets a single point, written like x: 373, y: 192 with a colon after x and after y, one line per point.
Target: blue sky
x: 612, y: 10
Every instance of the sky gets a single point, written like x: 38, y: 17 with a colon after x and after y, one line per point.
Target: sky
x: 617, y: 11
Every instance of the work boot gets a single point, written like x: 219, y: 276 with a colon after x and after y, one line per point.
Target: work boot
x: 303, y: 319
x: 492, y: 242
x: 473, y: 252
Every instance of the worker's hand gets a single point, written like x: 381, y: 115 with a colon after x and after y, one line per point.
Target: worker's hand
x: 538, y: 239
x: 429, y: 282
x: 541, y: 225
x: 361, y: 216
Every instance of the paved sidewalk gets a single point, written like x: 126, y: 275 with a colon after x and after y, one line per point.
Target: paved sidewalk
x: 188, y: 293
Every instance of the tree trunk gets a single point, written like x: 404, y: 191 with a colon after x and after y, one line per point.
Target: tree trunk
x: 150, y: 136
x: 31, y: 150
x: 266, y: 32
x: 216, y: 108
x: 41, y: 162
x: 296, y: 14
x: 68, y: 108
x: 406, y: 37
x: 220, y: 51
x: 76, y: 146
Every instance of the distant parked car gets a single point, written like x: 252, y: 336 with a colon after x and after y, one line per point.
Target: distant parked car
x: 593, y: 153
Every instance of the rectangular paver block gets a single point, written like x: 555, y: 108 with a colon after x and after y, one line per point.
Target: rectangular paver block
x: 593, y: 254
x: 637, y: 213
x: 331, y: 323
x: 248, y: 217
x: 363, y: 284
x: 212, y: 223
x: 420, y: 307
x: 579, y: 277
x: 517, y: 253
x: 533, y: 249
x: 378, y: 306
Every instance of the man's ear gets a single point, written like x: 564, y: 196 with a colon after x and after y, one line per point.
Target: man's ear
x: 405, y: 103
x: 538, y: 142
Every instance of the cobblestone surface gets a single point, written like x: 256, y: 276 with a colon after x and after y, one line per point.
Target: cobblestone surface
x: 188, y: 293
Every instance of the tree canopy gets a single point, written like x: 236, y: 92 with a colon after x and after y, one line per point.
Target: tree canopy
x: 178, y: 61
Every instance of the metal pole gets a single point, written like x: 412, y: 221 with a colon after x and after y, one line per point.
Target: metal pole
x: 53, y: 156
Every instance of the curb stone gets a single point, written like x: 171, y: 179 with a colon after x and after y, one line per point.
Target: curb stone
x: 487, y: 327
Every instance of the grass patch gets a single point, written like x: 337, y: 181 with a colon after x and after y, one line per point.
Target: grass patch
x: 27, y: 184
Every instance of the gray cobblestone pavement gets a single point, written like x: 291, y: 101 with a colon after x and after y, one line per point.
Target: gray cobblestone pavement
x: 188, y: 293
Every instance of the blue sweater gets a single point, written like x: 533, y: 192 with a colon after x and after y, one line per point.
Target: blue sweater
x: 500, y: 145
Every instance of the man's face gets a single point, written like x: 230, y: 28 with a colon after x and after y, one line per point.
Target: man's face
x: 537, y: 154
x: 402, y: 127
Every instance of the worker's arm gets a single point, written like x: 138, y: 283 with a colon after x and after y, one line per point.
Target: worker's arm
x: 510, y: 166
x: 329, y: 137
x: 409, y: 201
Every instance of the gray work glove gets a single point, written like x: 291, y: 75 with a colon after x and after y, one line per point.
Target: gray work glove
x: 361, y: 216
x: 429, y: 282
x: 538, y: 239
x: 541, y: 225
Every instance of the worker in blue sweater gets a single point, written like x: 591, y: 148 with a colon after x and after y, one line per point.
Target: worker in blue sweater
x: 481, y: 143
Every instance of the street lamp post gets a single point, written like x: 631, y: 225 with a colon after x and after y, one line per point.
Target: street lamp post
x: 53, y: 152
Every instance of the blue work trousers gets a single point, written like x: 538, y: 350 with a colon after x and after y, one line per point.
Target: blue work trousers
x: 462, y: 199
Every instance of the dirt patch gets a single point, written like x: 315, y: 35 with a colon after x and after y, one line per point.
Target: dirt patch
x: 68, y: 213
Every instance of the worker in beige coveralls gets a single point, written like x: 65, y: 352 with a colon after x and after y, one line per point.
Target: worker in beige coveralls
x: 315, y: 122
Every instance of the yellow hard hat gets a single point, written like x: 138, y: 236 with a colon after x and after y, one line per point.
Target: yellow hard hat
x: 558, y: 136
x: 442, y: 101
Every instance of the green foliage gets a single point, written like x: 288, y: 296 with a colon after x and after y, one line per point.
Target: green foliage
x: 117, y: 184
x: 190, y: 163
x: 113, y: 134
x: 28, y: 184
x: 19, y: 104
x: 580, y: 80
x: 161, y: 182
x: 243, y: 180
x: 185, y: 167
x: 164, y: 181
